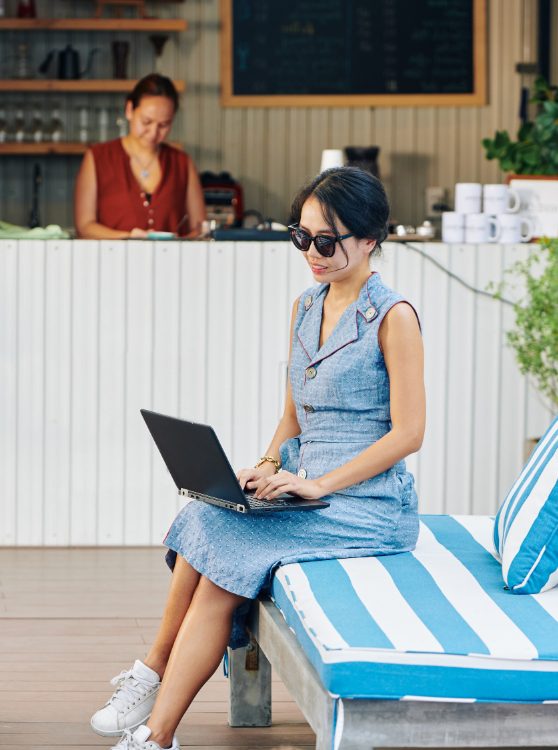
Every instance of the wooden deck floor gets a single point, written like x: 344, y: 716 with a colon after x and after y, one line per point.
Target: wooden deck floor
x: 70, y: 619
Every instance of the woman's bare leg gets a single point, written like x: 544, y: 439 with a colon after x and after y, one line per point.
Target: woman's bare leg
x: 183, y: 584
x: 197, y: 651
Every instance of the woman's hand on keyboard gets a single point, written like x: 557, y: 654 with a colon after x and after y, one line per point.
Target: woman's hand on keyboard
x: 268, y: 488
x: 249, y: 478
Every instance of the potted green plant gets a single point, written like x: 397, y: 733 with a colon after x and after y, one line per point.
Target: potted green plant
x: 531, y: 160
x: 535, y: 151
x: 534, y: 338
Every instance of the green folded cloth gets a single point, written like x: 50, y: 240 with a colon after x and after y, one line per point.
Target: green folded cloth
x: 50, y: 232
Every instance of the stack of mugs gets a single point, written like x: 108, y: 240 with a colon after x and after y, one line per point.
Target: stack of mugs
x: 486, y: 213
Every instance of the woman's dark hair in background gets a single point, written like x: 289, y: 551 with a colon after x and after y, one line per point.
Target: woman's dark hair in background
x: 356, y: 197
x: 153, y: 85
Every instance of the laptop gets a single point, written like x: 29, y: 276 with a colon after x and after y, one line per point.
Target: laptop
x: 201, y: 471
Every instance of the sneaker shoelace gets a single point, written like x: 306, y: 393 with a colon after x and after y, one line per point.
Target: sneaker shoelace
x: 127, y: 741
x: 129, y: 690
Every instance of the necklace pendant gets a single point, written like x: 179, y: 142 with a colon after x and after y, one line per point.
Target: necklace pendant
x: 144, y: 173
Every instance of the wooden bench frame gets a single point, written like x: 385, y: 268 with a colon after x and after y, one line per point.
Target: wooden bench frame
x: 369, y: 724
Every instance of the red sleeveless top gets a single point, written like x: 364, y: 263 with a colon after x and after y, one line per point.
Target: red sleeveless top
x: 121, y: 201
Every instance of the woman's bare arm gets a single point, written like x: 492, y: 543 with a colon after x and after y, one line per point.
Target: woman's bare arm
x: 195, y: 203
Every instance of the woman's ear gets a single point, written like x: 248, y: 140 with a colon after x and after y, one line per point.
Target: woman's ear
x: 128, y: 110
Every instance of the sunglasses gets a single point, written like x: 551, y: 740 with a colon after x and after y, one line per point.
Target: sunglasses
x: 324, y: 243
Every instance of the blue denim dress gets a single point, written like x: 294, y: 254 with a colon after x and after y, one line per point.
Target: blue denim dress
x: 341, y: 393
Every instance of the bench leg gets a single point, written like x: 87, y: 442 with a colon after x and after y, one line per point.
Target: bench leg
x: 250, y: 687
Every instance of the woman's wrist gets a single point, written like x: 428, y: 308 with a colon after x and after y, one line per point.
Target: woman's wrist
x: 269, y: 459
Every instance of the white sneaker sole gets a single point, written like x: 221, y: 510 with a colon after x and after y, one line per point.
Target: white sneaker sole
x: 118, y: 732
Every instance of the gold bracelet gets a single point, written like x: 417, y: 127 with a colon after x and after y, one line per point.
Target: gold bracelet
x: 271, y: 460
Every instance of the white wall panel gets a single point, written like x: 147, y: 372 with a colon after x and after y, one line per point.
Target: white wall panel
x: 138, y: 393
x: 57, y: 389
x: 112, y: 388
x: 30, y: 393
x: 8, y: 390
x: 165, y: 363
x: 91, y: 332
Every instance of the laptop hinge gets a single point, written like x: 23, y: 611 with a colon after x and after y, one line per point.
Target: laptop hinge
x: 182, y: 491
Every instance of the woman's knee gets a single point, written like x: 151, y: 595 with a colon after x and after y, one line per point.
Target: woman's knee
x: 212, y: 593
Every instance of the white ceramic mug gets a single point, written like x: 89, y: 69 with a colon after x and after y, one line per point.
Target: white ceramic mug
x: 515, y: 228
x: 453, y: 227
x: 480, y: 228
x: 500, y: 199
x: 468, y: 197
x: 332, y: 157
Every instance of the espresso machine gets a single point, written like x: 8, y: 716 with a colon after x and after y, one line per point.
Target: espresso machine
x: 223, y: 197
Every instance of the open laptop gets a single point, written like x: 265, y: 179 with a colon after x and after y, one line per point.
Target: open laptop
x: 200, y: 469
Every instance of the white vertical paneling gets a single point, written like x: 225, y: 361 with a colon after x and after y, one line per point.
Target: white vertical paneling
x: 112, y: 347
x: 194, y: 298
x: 138, y: 394
x: 58, y: 387
x: 166, y: 371
x: 8, y: 390
x: 512, y: 393
x: 410, y: 286
x: 220, y: 342
x: 459, y: 373
x: 90, y: 332
x: 434, y: 321
x: 274, y: 335
x: 84, y: 403
x: 487, y: 377
x: 30, y: 392
x: 247, y: 445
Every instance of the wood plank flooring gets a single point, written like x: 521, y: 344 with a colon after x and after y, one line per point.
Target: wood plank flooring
x: 70, y: 619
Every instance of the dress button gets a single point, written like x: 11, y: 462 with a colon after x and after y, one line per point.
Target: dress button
x: 311, y: 372
x: 150, y: 222
x: 302, y: 473
x: 308, y: 408
x: 145, y: 203
x: 308, y: 303
x: 150, y: 210
x: 370, y: 314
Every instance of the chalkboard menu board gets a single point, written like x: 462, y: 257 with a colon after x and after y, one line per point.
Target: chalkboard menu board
x: 353, y: 52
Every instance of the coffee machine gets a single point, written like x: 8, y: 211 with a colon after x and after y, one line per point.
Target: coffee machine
x: 223, y: 197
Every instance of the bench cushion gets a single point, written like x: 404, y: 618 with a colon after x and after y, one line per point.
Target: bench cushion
x: 525, y: 528
x: 436, y: 623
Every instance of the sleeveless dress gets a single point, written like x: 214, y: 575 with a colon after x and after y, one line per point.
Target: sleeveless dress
x: 123, y: 204
x: 341, y: 392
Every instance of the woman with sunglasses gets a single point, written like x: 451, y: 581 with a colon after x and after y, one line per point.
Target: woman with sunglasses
x: 354, y: 410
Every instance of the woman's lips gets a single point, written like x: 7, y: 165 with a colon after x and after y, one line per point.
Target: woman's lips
x: 318, y: 269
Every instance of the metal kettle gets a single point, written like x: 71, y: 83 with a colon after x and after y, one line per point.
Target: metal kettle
x: 69, y: 65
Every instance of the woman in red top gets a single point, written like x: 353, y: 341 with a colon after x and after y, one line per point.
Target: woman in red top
x: 136, y: 184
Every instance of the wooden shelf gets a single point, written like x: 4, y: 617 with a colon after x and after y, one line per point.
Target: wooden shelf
x: 48, y: 148
x: 41, y: 149
x: 93, y: 24
x: 84, y: 85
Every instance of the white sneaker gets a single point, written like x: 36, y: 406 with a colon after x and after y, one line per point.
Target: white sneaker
x: 139, y: 741
x: 131, y: 703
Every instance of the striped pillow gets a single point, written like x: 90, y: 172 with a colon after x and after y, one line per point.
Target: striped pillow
x: 526, y: 526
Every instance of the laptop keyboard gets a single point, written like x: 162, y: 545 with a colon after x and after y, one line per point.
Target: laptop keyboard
x: 256, y: 503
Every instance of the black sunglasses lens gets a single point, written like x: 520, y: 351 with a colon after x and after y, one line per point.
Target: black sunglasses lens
x: 325, y: 245
x: 300, y: 239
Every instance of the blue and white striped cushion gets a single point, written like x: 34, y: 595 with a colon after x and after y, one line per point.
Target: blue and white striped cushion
x: 436, y: 623
x: 525, y: 530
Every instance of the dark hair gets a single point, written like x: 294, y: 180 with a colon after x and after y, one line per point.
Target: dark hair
x: 354, y: 196
x: 153, y: 85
